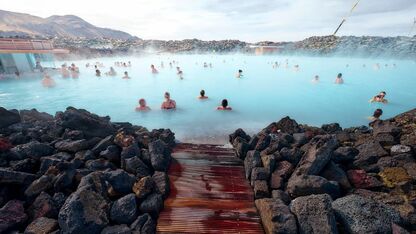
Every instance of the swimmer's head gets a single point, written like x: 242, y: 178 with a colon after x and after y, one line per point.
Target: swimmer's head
x: 339, y: 75
x: 126, y: 73
x: 167, y: 95
x: 142, y: 102
x: 316, y: 77
x: 377, y: 113
x: 152, y: 66
x: 224, y: 103
x: 382, y: 93
x: 240, y: 71
x: 202, y: 93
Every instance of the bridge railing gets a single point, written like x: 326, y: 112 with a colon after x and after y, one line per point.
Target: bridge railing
x: 22, y: 44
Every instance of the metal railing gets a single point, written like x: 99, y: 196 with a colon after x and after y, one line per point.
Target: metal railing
x: 22, y: 44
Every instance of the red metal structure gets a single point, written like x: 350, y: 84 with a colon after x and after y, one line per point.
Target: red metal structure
x: 10, y: 45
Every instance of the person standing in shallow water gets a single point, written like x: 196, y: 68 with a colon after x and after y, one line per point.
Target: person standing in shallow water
x: 168, y: 104
x: 339, y: 79
x: 202, y: 95
x: 224, y: 105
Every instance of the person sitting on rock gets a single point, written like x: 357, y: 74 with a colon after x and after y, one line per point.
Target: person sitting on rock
x: 339, y: 79
x: 202, y: 95
x: 154, y: 70
x: 142, y: 105
x: 224, y: 105
x: 48, y: 82
x: 376, y: 116
x: 379, y: 98
x: 239, y: 74
x: 168, y: 104
x: 126, y: 75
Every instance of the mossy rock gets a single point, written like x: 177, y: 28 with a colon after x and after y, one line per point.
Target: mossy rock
x: 392, y: 176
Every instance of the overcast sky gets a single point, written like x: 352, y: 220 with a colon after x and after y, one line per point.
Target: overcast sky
x: 249, y: 20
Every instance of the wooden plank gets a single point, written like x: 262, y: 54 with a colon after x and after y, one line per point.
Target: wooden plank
x: 209, y: 193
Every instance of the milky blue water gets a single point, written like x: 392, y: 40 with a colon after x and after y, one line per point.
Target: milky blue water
x: 265, y: 94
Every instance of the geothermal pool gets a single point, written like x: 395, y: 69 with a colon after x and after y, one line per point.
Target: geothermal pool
x: 265, y: 94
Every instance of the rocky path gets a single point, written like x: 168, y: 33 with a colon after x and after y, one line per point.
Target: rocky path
x: 209, y: 193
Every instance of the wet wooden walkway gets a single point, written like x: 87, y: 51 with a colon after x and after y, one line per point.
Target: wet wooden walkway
x: 209, y: 193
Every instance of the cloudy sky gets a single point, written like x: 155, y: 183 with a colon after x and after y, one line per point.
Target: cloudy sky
x: 249, y: 20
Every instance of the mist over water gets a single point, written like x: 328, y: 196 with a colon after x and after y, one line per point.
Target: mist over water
x: 264, y: 95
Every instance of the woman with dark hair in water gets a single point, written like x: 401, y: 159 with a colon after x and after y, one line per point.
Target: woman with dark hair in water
x: 126, y: 75
x: 339, y: 79
x: 224, y: 105
x: 202, y: 95
x: 154, y: 70
x: 379, y: 98
x: 239, y: 74
x: 168, y: 104
x: 142, y: 105
x: 376, y: 116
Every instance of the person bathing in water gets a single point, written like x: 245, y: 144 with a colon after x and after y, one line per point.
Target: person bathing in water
x: 142, y: 105
x: 154, y: 70
x: 379, y: 98
x: 315, y: 79
x: 126, y: 75
x: 376, y: 117
x: 239, y: 74
x: 48, y: 82
x: 202, y: 95
x: 112, y: 72
x: 168, y: 104
x: 224, y: 105
x: 339, y: 79
x: 97, y: 73
x: 179, y: 72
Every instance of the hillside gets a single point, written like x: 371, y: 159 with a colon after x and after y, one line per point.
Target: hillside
x: 19, y: 24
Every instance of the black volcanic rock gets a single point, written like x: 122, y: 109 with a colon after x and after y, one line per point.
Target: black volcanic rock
x: 12, y: 215
x: 8, y: 118
x: 84, y: 211
x: 314, y: 214
x: 92, y: 125
x: 124, y: 210
x: 90, y: 166
x: 371, y: 173
x: 361, y: 215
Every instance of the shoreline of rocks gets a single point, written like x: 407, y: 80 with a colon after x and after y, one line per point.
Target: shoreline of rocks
x: 400, y: 47
x: 333, y: 180
x: 77, y: 172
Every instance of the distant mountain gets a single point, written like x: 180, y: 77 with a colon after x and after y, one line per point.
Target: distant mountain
x: 19, y: 24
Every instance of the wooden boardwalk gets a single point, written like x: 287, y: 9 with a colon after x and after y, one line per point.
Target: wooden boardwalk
x: 209, y: 193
